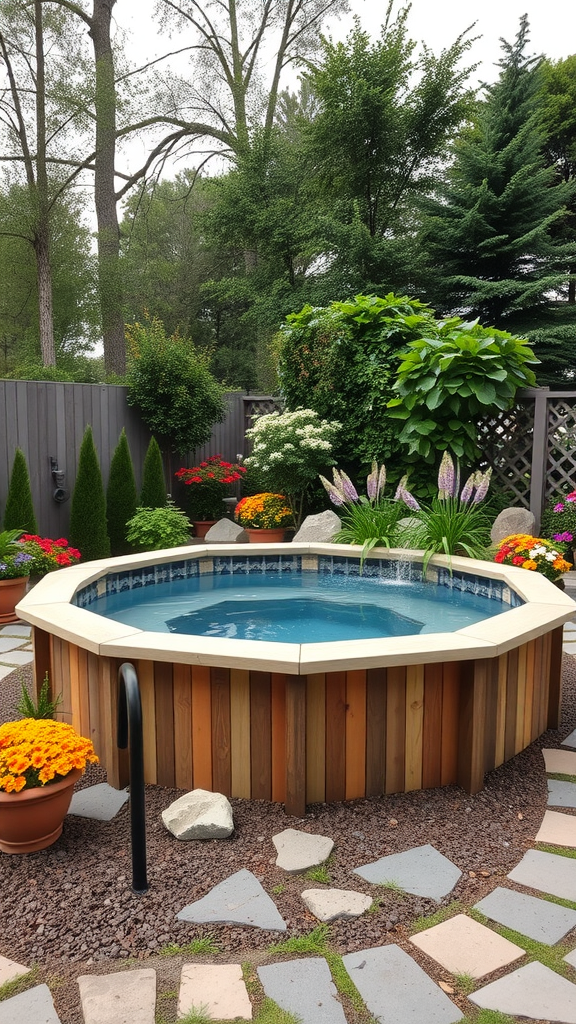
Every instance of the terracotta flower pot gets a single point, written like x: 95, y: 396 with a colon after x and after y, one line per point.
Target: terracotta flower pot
x: 201, y: 527
x: 32, y: 819
x: 11, y: 592
x: 259, y: 536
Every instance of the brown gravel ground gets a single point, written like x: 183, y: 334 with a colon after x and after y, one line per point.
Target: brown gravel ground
x: 70, y: 909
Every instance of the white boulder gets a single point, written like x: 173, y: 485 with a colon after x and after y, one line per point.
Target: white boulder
x: 199, y: 815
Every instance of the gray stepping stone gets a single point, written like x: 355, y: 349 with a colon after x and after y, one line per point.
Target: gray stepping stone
x: 561, y: 794
x: 545, y: 922
x: 101, y: 802
x: 240, y: 899
x: 125, y: 997
x: 299, y: 851
x: 547, y: 872
x: 8, y: 644
x: 570, y: 958
x: 421, y: 871
x: 396, y: 989
x: 570, y: 740
x: 17, y: 629
x: 304, y: 988
x: 18, y: 657
x: 533, y: 991
x: 32, y: 1007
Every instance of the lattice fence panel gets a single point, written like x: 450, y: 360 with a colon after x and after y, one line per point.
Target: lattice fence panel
x: 506, y: 442
x: 258, y: 406
x: 561, y: 460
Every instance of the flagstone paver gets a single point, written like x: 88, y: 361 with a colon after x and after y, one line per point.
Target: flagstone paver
x: 422, y: 871
x: 8, y: 643
x: 101, y: 802
x: 463, y: 946
x: 304, y: 988
x: 570, y: 958
x: 548, y: 872
x: 563, y: 761
x: 239, y: 899
x: 16, y: 629
x: 557, y: 829
x: 125, y: 997
x: 561, y: 794
x: 570, y: 740
x: 299, y: 851
x: 18, y: 657
x: 218, y: 988
x: 35, y: 1006
x: 533, y: 991
x: 330, y: 904
x: 537, y: 919
x: 9, y: 970
x: 395, y: 989
x: 5, y: 670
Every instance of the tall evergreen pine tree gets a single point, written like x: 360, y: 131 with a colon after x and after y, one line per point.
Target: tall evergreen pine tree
x: 19, y: 511
x: 88, y: 529
x: 120, y: 496
x: 490, y: 233
x: 153, y: 494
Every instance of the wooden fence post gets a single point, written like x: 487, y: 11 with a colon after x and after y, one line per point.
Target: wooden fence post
x: 539, y: 454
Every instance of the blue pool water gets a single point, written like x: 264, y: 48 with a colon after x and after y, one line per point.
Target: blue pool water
x: 296, y: 608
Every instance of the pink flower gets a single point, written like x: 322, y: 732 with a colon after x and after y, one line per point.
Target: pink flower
x: 559, y: 507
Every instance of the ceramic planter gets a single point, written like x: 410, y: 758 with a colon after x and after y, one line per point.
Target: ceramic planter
x: 11, y: 592
x: 201, y: 527
x: 258, y: 536
x: 32, y: 819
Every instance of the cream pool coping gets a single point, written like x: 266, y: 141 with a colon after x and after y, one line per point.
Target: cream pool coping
x: 48, y: 606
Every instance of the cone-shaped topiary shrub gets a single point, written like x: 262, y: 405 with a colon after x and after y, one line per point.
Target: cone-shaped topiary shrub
x: 19, y: 511
x: 121, y: 497
x: 153, y: 494
x: 88, y: 529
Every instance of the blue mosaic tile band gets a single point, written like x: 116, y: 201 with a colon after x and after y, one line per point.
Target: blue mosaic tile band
x: 331, y: 565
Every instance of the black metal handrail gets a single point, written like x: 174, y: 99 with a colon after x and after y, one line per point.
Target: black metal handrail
x: 130, y: 725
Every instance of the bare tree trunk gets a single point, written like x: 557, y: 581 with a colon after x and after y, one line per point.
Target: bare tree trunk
x: 109, y: 279
x: 42, y: 229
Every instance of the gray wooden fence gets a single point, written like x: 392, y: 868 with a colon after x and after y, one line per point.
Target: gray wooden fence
x: 532, y: 447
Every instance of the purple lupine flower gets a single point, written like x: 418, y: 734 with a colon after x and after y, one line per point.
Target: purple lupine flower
x: 468, y: 489
x: 381, y: 481
x: 402, y: 494
x: 559, y: 507
x: 335, y: 495
x: 446, y: 477
x: 482, y: 487
x: 348, y: 489
x: 372, y: 482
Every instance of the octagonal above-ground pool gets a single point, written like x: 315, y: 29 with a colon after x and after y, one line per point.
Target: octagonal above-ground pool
x: 306, y: 722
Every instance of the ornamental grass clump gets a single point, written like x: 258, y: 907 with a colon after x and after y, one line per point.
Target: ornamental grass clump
x: 453, y: 524
x: 35, y: 752
x: 264, y: 511
x: 371, y: 519
x: 532, y: 553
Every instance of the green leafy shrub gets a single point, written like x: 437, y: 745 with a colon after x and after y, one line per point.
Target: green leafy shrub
x: 290, y: 449
x: 121, y: 499
x: 169, y: 381
x: 450, y: 379
x: 153, y: 493
x: 88, y: 528
x: 152, y: 529
x: 19, y: 511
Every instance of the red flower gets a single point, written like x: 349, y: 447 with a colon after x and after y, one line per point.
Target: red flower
x: 499, y: 557
x: 61, y: 542
x: 63, y: 559
x: 518, y: 560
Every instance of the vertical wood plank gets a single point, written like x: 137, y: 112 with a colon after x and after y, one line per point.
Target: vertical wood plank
x: 545, y: 682
x: 201, y: 727
x: 296, y: 745
x: 451, y: 672
x: 61, y: 663
x: 182, y: 681
x: 395, y: 729
x: 316, y: 738
x: 499, y: 752
x: 491, y: 714
x: 260, y: 735
x: 84, y: 696
x: 432, y: 727
x: 93, y: 683
x: 511, y: 702
x: 240, y: 732
x: 375, y: 731
x: 164, y: 700
x: 414, y: 724
x: 471, y: 750
x: 278, y: 710
x: 74, y: 683
x: 555, y: 679
x: 529, y: 695
x: 520, y: 699
x: 146, y: 679
x: 355, y: 726
x: 115, y: 765
x: 537, y: 689
x: 221, y: 768
x: 42, y: 660
x: 335, y: 736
